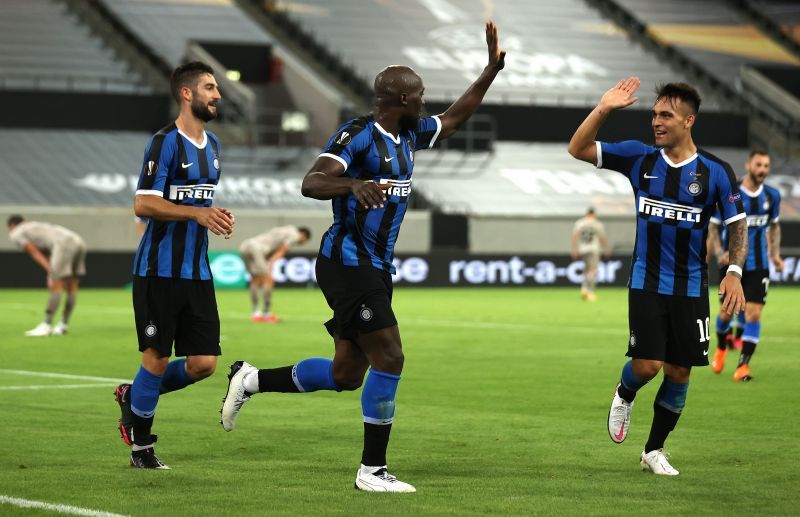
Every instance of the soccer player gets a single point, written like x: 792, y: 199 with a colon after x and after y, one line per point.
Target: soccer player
x: 259, y: 254
x: 762, y: 204
x: 366, y: 171
x: 588, y: 235
x: 173, y: 293
x: 676, y: 186
x: 65, y: 265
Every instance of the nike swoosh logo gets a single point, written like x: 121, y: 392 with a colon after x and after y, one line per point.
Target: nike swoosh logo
x: 621, y: 431
x: 650, y: 177
x: 387, y: 159
x: 705, y: 352
x: 186, y: 165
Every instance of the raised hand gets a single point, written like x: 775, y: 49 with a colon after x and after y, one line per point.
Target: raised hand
x: 370, y: 194
x: 497, y: 57
x: 620, y: 96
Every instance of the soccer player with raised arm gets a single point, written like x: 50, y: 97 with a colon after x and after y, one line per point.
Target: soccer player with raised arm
x: 677, y: 187
x: 366, y: 170
x: 762, y: 204
x: 173, y: 293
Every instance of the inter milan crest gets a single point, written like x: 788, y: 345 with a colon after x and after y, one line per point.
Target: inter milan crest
x: 365, y: 313
x: 695, y: 188
x: 150, y: 330
x: 632, y: 341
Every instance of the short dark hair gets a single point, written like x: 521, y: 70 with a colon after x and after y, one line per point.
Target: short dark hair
x: 305, y: 231
x: 14, y: 220
x: 756, y: 152
x: 685, y: 92
x: 186, y: 76
x: 590, y: 210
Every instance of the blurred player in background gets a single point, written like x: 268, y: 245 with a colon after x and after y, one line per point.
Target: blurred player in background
x: 173, y: 293
x: 366, y: 171
x: 259, y: 253
x: 588, y: 236
x: 762, y: 204
x: 676, y: 186
x: 64, y: 267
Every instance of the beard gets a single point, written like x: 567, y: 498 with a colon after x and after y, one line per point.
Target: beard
x: 203, y: 112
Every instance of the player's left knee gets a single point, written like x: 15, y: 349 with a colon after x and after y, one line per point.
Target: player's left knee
x: 200, y: 368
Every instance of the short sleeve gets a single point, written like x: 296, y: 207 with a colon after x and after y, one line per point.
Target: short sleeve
x: 775, y: 209
x: 426, y: 133
x: 349, y: 141
x: 715, y: 218
x: 158, y: 157
x: 17, y: 237
x: 729, y: 199
x: 621, y: 156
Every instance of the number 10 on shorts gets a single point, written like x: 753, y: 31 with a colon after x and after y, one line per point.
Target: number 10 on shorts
x: 703, y: 326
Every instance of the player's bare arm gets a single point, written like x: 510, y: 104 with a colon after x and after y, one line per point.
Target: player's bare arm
x: 279, y: 253
x: 218, y: 220
x: 582, y: 145
x: 463, y: 108
x: 774, y: 242
x: 715, y: 245
x: 325, y: 180
x: 37, y: 255
x: 731, y: 286
x: 574, y: 247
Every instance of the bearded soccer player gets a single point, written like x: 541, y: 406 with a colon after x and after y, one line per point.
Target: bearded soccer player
x: 677, y: 187
x: 762, y: 204
x: 366, y: 171
x: 173, y: 293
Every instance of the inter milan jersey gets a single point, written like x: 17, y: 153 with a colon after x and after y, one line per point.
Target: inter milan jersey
x: 366, y: 237
x: 762, y: 207
x: 674, y: 202
x: 183, y: 172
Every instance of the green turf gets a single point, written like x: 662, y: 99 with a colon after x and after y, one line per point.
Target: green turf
x: 501, y: 410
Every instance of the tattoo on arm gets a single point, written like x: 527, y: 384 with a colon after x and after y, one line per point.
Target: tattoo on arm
x: 774, y: 235
x: 737, y: 242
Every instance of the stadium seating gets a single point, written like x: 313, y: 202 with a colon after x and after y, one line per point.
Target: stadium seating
x: 560, y: 53
x: 167, y: 25
x: 46, y: 48
x: 786, y: 14
x: 713, y: 33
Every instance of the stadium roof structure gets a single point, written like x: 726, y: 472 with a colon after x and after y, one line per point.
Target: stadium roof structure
x: 559, y: 53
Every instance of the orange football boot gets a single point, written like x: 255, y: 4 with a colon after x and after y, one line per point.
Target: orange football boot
x: 719, y: 360
x: 742, y: 374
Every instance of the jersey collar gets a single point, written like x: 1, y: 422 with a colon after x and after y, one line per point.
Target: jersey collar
x: 394, y: 139
x: 201, y: 145
x: 752, y: 194
x: 687, y: 161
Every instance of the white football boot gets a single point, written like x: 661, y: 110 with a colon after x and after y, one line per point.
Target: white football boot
x: 42, y: 329
x: 619, y: 418
x: 60, y: 329
x: 378, y: 479
x: 236, y: 395
x: 656, y: 462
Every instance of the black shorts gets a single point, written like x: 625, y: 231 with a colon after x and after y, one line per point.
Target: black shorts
x: 174, y: 309
x: 673, y: 329
x: 360, y: 296
x: 755, y: 284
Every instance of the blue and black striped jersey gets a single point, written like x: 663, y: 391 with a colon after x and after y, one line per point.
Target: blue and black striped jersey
x: 674, y: 202
x: 366, y: 237
x: 763, y: 208
x: 186, y: 173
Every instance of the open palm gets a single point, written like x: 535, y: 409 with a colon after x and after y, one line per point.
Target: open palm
x: 621, y: 95
x: 497, y: 57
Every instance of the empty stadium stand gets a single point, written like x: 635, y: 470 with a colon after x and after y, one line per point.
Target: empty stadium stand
x: 560, y: 53
x: 46, y: 48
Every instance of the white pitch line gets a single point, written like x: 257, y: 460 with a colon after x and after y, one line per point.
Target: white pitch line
x: 54, y: 386
x: 60, y: 508
x: 64, y: 376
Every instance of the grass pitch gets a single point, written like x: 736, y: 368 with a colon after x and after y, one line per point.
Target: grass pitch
x: 501, y: 410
